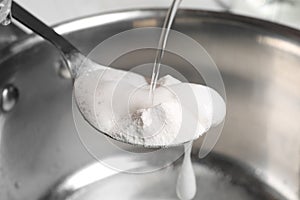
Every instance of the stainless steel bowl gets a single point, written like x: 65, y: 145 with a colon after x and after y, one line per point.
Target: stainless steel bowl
x: 257, y: 156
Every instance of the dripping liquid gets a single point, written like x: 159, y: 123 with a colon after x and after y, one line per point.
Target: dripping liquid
x: 186, y: 183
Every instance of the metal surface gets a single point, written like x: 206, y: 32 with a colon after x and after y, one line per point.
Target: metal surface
x: 259, y: 62
x: 9, y: 98
x: 9, y: 34
x: 70, y: 53
x: 217, y: 177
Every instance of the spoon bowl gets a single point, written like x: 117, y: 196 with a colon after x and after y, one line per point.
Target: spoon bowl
x: 95, y: 84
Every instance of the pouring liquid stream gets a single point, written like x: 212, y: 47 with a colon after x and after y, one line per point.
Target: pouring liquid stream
x: 162, y: 45
x: 186, y: 183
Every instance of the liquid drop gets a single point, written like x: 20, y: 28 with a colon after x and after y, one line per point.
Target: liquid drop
x: 186, y: 182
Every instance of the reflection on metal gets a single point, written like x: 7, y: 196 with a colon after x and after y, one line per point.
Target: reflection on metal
x: 9, y: 98
x: 215, y: 171
x: 98, y: 20
x: 145, y: 23
x: 7, y: 20
x: 62, y: 69
x: 226, y: 5
x: 291, y: 2
x: 280, y: 44
x: 86, y: 176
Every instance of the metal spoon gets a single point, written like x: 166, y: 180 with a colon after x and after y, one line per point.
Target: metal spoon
x: 78, y: 64
x: 72, y: 55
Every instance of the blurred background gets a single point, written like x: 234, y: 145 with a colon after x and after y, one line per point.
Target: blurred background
x: 55, y: 11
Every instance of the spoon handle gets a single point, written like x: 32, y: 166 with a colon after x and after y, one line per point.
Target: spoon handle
x: 37, y: 26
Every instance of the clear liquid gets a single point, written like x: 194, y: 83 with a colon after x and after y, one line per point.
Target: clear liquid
x: 186, y: 182
x: 162, y: 44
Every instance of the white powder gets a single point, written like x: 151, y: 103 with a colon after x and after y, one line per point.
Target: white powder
x: 153, y: 126
x: 118, y: 104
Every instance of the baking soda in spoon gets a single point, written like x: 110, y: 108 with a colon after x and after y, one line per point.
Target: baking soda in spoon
x: 180, y: 112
